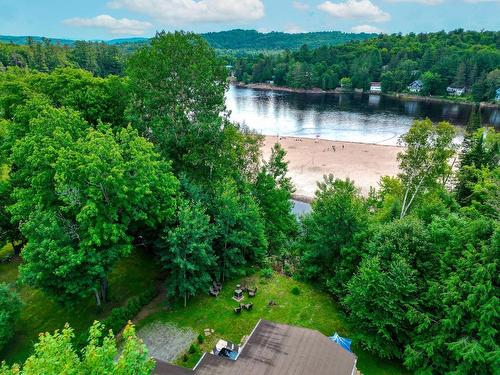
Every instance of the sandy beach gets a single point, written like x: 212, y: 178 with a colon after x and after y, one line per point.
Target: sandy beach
x: 310, y: 159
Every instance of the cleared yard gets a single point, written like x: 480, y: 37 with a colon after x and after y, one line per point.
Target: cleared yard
x: 310, y: 309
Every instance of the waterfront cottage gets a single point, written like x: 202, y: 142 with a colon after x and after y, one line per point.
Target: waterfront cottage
x: 375, y: 87
x: 455, y: 91
x: 415, y: 86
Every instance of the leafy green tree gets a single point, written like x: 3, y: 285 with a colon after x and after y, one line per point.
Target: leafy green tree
x: 169, y: 91
x: 331, y: 234
x: 240, y: 234
x: 425, y: 161
x: 81, y: 195
x: 346, y: 83
x: 432, y: 84
x: 10, y: 308
x: 55, y: 354
x: 188, y: 255
x: 273, y: 191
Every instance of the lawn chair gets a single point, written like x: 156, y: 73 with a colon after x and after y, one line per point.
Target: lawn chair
x: 248, y: 306
x: 252, y: 292
x: 216, y: 285
x: 237, y: 310
x: 213, y: 292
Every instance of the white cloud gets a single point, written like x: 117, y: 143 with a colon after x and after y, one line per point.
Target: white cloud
x: 191, y: 11
x: 292, y: 28
x: 122, y: 26
x: 366, y: 29
x: 300, y: 6
x: 426, y: 2
x: 355, y: 9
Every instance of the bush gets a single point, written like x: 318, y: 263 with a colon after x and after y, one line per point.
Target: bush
x: 266, y: 272
x: 119, y: 316
x: 10, y: 308
x: 184, y: 358
x: 193, y: 349
x: 201, y: 339
x: 295, y: 290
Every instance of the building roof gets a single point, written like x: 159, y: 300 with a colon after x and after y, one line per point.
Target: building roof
x: 280, y: 349
x: 164, y: 368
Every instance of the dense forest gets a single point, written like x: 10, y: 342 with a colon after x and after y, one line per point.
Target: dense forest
x: 96, y: 166
x: 459, y: 59
x: 107, y: 57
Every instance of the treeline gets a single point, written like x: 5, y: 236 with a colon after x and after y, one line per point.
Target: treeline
x: 254, y: 40
x: 459, y: 58
x: 99, y: 58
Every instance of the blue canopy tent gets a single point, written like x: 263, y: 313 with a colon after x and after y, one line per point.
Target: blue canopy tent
x: 342, y: 341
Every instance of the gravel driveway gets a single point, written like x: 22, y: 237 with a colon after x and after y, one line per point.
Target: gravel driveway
x: 166, y: 341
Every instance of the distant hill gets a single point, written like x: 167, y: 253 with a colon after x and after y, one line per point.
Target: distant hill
x: 251, y: 39
x: 233, y: 39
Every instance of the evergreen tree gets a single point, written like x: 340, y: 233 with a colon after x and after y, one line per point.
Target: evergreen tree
x: 187, y: 253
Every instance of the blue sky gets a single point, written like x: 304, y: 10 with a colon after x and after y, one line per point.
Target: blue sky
x: 106, y: 19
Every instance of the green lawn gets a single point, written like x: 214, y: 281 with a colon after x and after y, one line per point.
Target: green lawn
x: 311, y: 309
x: 40, y: 314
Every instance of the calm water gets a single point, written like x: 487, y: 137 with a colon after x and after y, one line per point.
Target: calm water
x: 347, y: 117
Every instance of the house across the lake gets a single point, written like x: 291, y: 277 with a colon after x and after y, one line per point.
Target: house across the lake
x: 455, y: 91
x: 273, y: 349
x: 376, y: 87
x: 415, y: 86
x: 497, y: 97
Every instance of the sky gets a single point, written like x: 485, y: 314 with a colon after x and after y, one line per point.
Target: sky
x: 108, y: 19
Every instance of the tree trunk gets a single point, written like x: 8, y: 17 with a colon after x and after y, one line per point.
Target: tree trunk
x: 97, y: 298
x: 104, y: 289
x: 17, y: 248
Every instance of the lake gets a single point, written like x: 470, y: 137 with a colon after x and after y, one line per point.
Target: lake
x: 346, y: 117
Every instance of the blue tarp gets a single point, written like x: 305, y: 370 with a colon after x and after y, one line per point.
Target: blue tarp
x: 342, y: 341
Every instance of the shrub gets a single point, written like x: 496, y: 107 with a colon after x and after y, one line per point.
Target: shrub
x: 119, y: 316
x: 10, y: 308
x: 184, y: 358
x: 193, y: 349
x: 295, y: 290
x: 201, y: 339
x: 266, y: 272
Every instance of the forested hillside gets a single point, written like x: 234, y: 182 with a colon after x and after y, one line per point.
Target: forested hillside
x: 108, y: 57
x: 459, y: 58
x: 253, y: 40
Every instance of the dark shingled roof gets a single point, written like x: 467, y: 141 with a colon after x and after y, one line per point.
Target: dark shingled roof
x: 164, y: 368
x: 279, y: 349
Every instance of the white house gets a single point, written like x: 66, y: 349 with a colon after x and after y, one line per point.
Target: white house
x: 415, y: 86
x: 376, y: 87
x: 455, y: 91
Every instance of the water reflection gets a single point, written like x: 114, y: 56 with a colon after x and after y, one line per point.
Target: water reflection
x: 355, y: 117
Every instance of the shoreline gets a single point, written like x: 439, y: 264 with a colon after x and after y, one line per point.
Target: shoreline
x: 318, y: 91
x: 310, y: 159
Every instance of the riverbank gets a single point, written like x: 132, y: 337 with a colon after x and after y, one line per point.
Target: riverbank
x: 401, y: 96
x: 310, y: 159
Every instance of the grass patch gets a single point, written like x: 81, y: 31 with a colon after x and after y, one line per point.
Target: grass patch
x: 310, y: 309
x: 130, y: 277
